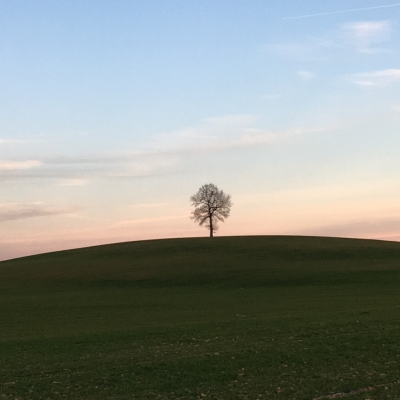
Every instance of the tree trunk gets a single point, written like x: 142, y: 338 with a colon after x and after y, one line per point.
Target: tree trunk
x: 211, y: 228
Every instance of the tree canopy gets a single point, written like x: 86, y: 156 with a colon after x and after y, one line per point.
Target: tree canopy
x: 211, y: 206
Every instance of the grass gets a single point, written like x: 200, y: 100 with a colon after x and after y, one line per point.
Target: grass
x: 222, y: 318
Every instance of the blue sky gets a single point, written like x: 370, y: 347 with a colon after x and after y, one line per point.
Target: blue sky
x: 113, y: 113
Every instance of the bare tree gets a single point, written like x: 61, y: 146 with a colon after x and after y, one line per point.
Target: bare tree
x: 212, y: 205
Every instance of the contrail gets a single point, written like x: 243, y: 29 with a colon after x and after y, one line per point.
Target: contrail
x: 343, y: 11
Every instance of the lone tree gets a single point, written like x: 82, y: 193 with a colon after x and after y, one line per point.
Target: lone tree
x: 212, y: 205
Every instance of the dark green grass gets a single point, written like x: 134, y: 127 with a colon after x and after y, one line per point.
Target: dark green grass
x: 222, y: 318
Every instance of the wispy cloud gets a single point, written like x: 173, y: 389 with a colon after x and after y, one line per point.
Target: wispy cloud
x: 152, y: 205
x: 223, y: 133
x: 381, y: 78
x: 73, y: 182
x: 163, y: 155
x: 363, y: 37
x: 376, y: 227
x: 306, y: 75
x: 255, y: 137
x: 306, y: 50
x: 153, y: 219
x: 26, y: 141
x: 19, y: 165
x: 16, y: 211
x: 207, y: 134
x: 366, y: 35
x: 11, y: 141
x: 78, y: 171
x: 272, y: 96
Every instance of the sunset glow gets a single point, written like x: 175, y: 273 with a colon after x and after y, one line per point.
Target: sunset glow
x: 112, y: 114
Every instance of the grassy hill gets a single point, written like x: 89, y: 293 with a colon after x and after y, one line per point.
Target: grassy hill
x: 257, y: 260
x: 222, y: 318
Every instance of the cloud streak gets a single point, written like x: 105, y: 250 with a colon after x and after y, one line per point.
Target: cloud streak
x: 360, y: 228
x: 10, y: 141
x: 364, y: 37
x: 78, y: 171
x: 364, y: 34
x: 224, y: 133
x: 306, y: 75
x: 19, y: 165
x: 165, y: 154
x: 73, y: 182
x: 381, y: 78
x: 12, y: 212
x: 342, y: 11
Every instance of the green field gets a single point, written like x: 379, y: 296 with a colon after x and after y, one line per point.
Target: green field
x: 258, y: 317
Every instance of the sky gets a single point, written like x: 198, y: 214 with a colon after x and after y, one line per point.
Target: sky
x: 114, y: 112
